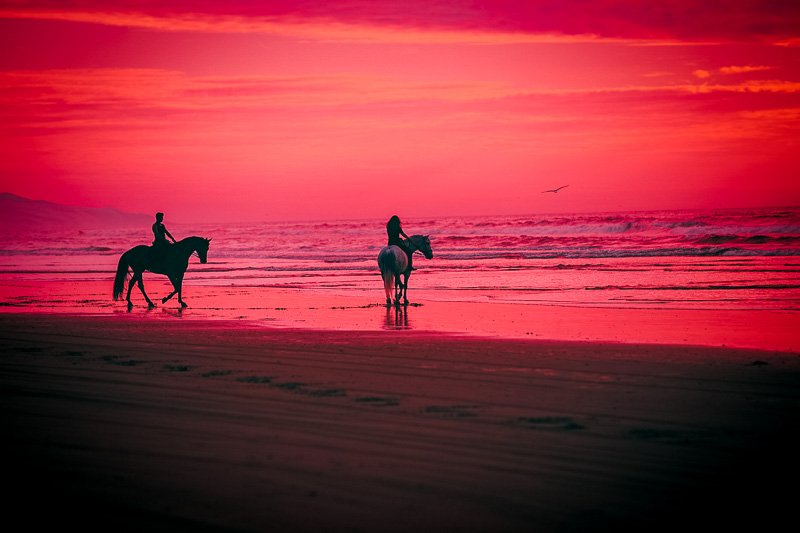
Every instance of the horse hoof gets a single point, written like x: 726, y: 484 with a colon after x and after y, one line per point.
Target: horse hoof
x: 405, y: 303
x: 130, y: 306
x: 151, y: 305
x: 183, y: 304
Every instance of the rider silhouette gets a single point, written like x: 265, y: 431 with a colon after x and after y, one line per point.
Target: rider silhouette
x: 394, y: 230
x: 160, y: 243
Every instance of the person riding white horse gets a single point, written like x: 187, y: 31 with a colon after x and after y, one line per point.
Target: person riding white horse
x: 394, y: 260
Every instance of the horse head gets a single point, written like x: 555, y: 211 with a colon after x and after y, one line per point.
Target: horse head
x: 202, y: 249
x: 423, y: 244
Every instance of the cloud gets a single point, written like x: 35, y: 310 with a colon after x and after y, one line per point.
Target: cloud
x: 160, y: 87
x: 729, y: 70
x: 750, y: 86
x: 167, y: 89
x: 150, y: 98
x: 785, y: 115
x: 320, y: 29
x: 743, y: 69
x: 667, y: 22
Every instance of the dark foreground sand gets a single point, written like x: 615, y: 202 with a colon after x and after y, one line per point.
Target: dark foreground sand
x: 119, y: 424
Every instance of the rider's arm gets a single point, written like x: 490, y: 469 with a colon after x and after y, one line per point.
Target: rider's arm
x: 167, y: 233
x: 403, y: 233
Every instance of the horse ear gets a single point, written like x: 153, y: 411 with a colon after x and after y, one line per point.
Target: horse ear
x: 209, y: 239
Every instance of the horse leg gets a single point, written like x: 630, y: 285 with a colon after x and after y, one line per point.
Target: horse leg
x: 398, y: 289
x: 131, y: 283
x: 179, y: 286
x: 405, y: 288
x: 140, y: 283
x: 388, y: 281
x: 166, y: 298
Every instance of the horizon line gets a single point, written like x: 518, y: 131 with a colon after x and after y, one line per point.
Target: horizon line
x: 413, y: 217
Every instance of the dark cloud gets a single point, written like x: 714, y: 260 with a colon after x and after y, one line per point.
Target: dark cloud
x: 732, y: 20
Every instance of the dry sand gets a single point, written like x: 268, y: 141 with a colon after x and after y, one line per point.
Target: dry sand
x: 120, y: 424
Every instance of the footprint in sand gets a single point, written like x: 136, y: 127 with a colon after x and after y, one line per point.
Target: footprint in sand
x: 327, y: 393
x: 302, y: 388
x: 254, y: 379
x: 378, y: 401
x: 292, y: 386
x: 288, y: 386
x: 177, y: 368
x: 117, y: 360
x: 550, y: 423
x: 216, y: 373
x: 455, y: 411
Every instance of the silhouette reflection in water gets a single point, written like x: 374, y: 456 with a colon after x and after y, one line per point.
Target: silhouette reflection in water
x: 177, y: 312
x: 396, y: 317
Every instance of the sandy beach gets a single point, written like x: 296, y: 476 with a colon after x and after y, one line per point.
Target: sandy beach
x: 118, y: 423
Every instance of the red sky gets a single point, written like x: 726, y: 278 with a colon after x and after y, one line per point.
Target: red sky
x: 232, y: 110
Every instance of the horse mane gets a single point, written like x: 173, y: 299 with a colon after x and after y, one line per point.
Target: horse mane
x: 193, y: 241
x: 192, y: 238
x: 417, y: 239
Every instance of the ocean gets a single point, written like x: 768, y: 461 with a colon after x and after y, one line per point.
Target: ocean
x: 723, y: 259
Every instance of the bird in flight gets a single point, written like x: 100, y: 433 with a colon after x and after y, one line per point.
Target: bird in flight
x: 556, y: 189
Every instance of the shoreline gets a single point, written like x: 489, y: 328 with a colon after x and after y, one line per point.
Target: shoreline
x: 204, y: 425
x: 766, y: 329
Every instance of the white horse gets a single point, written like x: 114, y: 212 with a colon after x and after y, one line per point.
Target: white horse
x: 393, y: 262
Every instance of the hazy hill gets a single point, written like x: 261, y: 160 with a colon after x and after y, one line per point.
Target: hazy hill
x: 19, y: 212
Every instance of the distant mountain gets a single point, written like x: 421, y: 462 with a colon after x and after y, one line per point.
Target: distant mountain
x: 19, y: 212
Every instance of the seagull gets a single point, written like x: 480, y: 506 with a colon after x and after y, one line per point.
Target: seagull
x: 556, y: 190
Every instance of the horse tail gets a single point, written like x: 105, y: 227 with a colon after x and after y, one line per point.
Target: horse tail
x: 122, y: 275
x: 385, y: 263
x: 388, y: 284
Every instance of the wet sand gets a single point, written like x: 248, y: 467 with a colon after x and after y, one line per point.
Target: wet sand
x: 121, y: 423
x: 348, y: 309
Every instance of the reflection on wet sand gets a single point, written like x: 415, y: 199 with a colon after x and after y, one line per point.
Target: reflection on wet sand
x: 358, y: 310
x: 396, y: 318
x: 176, y: 312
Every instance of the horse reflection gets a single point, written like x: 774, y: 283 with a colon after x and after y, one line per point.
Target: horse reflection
x: 396, y: 318
x: 176, y: 312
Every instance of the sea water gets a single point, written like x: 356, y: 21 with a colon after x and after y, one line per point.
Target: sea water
x: 725, y: 259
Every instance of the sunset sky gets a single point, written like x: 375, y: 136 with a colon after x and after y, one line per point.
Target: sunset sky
x: 241, y: 110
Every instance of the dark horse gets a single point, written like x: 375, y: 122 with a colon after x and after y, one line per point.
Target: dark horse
x: 173, y: 265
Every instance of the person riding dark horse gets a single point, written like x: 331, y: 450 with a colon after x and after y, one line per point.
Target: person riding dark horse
x: 161, y: 245
x: 394, y: 230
